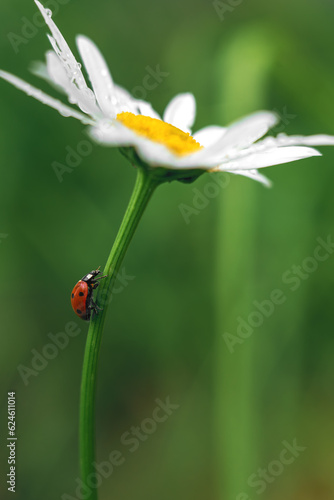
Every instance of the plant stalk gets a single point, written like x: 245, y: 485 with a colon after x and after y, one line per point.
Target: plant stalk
x: 142, y: 192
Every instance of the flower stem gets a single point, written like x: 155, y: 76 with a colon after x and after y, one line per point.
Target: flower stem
x: 142, y: 192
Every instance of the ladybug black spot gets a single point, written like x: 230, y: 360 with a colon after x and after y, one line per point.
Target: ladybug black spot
x: 79, y: 312
x: 81, y: 294
x: 72, y: 295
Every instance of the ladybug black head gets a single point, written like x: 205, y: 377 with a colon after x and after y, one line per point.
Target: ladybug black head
x: 90, y: 277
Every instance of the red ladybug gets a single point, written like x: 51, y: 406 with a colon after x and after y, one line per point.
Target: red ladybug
x: 82, y: 295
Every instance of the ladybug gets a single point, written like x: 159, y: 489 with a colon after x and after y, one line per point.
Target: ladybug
x: 82, y: 295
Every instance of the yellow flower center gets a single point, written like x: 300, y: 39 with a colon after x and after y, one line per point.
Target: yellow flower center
x: 181, y: 143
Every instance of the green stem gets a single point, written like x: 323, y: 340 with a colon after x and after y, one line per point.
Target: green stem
x: 142, y: 192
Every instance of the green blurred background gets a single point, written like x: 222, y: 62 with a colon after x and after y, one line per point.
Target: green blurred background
x: 165, y: 331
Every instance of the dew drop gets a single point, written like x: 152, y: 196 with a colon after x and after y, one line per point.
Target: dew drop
x: 64, y: 113
x: 90, y: 94
x: 48, y: 12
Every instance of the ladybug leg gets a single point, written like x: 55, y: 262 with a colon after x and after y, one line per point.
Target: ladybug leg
x: 95, y: 283
x: 94, y: 307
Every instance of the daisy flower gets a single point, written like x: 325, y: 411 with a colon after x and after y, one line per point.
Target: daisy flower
x: 165, y: 143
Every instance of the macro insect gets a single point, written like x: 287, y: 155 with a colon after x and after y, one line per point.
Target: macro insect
x: 82, y: 295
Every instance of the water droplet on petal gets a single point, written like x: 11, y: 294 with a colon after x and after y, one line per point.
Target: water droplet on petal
x: 48, y: 12
x: 64, y: 112
x: 90, y: 94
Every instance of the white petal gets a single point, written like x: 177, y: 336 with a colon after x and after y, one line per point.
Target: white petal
x: 56, y: 71
x: 242, y: 134
x: 252, y: 174
x: 98, y: 73
x: 62, y: 49
x: 44, y: 98
x: 181, y: 112
x: 272, y: 156
x: 125, y: 101
x: 109, y: 133
x: 86, y: 98
x: 156, y: 154
x: 122, y: 94
x: 317, y: 140
x: 146, y: 109
x: 209, y: 135
x: 299, y: 140
x: 39, y: 69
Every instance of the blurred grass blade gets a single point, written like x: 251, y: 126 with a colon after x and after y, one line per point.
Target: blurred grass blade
x: 244, y: 65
